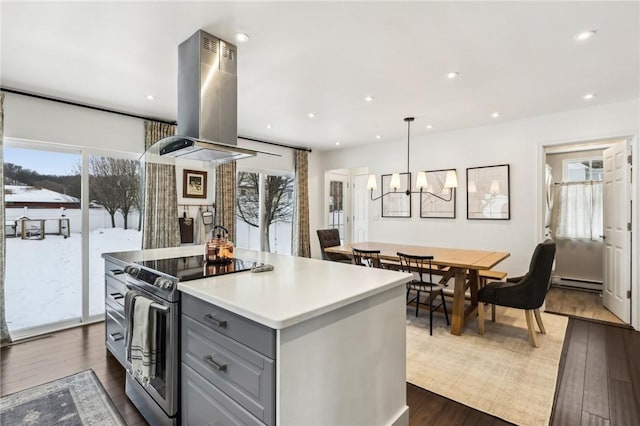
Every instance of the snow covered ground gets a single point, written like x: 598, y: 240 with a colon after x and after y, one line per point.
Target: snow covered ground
x: 44, y: 277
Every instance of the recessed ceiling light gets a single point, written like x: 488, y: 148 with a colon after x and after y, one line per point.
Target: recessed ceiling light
x: 589, y: 96
x: 150, y: 97
x: 495, y: 114
x: 242, y: 37
x: 369, y: 98
x: 452, y: 75
x: 429, y: 126
x: 268, y: 126
x: 584, y: 35
x: 311, y: 115
x: 377, y: 136
x: 337, y: 143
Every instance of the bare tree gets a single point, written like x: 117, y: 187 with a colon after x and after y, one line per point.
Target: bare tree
x: 278, y: 206
x: 114, y: 185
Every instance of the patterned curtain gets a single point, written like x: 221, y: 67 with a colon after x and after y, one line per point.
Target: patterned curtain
x: 226, y: 197
x: 301, y: 242
x: 4, y: 330
x: 160, y: 228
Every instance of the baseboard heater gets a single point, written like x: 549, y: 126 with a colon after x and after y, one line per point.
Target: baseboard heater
x: 570, y: 282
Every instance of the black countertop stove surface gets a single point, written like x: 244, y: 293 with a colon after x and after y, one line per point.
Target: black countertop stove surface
x: 195, y: 267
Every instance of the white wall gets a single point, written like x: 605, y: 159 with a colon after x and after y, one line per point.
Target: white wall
x: 517, y: 143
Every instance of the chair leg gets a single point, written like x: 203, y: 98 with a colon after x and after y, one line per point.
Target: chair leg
x: 539, y: 321
x: 444, y: 306
x: 480, y: 318
x: 532, y: 332
x: 493, y: 313
x: 430, y: 313
x: 417, y: 301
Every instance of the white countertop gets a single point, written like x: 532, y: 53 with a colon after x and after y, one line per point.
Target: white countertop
x: 296, y: 290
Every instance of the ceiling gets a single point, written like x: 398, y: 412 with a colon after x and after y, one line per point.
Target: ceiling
x: 515, y: 58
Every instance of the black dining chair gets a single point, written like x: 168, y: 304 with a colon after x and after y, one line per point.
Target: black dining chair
x: 369, y: 258
x: 526, y: 292
x: 331, y: 238
x: 419, y: 266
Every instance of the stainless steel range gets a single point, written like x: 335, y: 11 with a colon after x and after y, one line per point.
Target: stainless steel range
x: 158, y: 280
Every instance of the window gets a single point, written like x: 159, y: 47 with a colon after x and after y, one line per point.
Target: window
x: 580, y: 200
x: 114, y: 220
x: 577, y: 170
x: 264, y: 211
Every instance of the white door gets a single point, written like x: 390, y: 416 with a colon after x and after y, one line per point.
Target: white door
x: 360, y: 212
x: 617, y: 241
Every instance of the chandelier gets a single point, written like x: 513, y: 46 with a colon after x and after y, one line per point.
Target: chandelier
x: 451, y: 180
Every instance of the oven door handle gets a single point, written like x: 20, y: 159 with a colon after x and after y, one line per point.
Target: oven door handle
x: 153, y: 305
x: 159, y: 307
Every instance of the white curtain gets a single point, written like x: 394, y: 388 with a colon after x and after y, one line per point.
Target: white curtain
x: 579, y: 210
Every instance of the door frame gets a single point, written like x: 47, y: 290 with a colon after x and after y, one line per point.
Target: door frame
x: 634, y: 143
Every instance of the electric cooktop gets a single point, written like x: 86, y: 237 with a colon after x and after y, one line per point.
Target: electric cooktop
x: 195, y: 267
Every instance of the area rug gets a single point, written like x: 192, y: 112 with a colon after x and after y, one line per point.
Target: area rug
x: 79, y: 399
x: 498, y: 373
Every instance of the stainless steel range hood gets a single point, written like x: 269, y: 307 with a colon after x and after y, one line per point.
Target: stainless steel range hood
x: 207, y: 104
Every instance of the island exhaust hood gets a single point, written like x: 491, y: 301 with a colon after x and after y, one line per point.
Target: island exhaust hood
x: 207, y: 104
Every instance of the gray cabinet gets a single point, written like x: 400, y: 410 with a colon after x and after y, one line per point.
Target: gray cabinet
x: 115, y: 291
x: 228, y: 367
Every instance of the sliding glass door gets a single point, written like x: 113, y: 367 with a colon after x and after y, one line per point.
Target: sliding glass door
x: 43, y: 283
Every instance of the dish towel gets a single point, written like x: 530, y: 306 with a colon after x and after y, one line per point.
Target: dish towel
x: 142, y: 350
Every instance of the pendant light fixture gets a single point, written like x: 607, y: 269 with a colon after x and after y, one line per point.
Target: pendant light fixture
x: 451, y: 180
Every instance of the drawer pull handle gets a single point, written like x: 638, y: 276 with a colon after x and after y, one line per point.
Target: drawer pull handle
x: 116, y: 296
x: 117, y: 271
x: 220, y: 367
x: 217, y: 323
x: 114, y: 337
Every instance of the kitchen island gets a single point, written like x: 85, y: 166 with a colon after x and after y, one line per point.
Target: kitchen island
x: 325, y: 345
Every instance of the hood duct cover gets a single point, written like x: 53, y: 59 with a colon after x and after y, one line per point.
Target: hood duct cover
x: 207, y: 104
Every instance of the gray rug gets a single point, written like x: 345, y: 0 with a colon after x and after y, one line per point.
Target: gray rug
x: 77, y: 400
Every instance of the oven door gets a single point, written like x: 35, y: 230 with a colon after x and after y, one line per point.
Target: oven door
x: 163, y: 388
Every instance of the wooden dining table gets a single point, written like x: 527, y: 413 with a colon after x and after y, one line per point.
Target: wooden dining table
x: 461, y: 264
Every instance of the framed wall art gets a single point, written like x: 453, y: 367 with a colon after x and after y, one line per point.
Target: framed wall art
x: 396, y: 204
x: 488, y: 192
x: 194, y: 184
x: 434, y: 207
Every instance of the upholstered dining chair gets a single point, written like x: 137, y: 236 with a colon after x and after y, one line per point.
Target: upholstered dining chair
x: 526, y: 292
x: 369, y: 258
x: 331, y: 238
x: 419, y: 266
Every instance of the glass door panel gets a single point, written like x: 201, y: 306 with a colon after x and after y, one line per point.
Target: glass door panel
x: 43, y: 283
x: 336, y: 206
x: 114, y: 219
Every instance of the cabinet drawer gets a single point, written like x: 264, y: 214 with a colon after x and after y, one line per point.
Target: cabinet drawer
x: 242, y: 373
x: 115, y: 290
x: 114, y: 271
x: 115, y: 337
x: 250, y: 333
x: 115, y: 293
x: 203, y: 404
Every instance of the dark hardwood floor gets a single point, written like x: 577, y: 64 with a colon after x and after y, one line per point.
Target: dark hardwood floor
x: 598, y: 378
